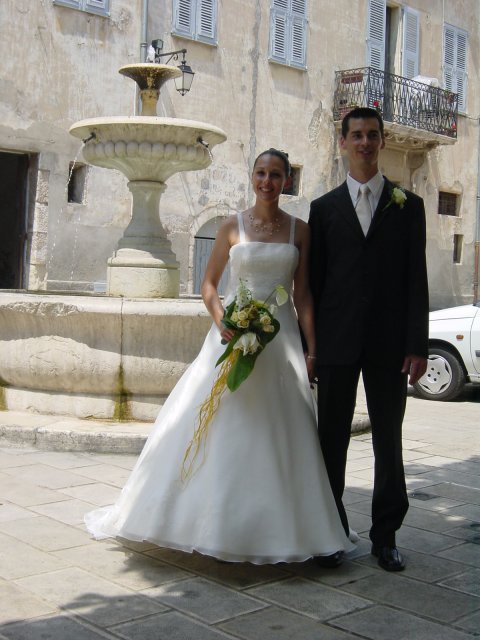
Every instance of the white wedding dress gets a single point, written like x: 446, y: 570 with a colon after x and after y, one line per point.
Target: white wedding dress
x: 259, y: 492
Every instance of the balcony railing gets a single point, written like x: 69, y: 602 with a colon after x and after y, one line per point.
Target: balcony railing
x: 398, y: 100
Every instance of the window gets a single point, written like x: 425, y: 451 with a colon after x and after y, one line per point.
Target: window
x: 455, y: 43
x: 447, y: 203
x: 288, y: 32
x: 76, y: 182
x: 457, y: 248
x: 100, y: 7
x: 195, y: 19
x: 382, y: 29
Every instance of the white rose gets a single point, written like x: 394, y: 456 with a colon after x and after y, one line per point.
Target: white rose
x: 399, y: 197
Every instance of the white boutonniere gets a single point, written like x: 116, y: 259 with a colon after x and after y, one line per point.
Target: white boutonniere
x: 398, y: 197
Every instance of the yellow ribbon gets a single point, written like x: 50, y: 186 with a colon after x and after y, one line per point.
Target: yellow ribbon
x: 205, y: 415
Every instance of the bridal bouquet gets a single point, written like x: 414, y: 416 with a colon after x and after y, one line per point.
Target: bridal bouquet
x: 255, y: 326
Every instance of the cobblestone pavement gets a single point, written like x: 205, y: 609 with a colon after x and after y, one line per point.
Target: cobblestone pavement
x: 58, y: 584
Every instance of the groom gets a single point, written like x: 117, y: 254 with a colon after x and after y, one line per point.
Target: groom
x: 369, y: 283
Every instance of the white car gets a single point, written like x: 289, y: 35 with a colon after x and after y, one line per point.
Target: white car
x: 454, y: 352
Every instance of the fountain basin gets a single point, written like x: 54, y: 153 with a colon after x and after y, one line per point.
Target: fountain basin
x: 147, y: 148
x: 95, y: 357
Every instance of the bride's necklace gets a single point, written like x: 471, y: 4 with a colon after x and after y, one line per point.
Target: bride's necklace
x: 267, y: 227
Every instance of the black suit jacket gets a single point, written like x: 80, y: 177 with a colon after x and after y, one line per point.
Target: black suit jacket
x: 370, y: 293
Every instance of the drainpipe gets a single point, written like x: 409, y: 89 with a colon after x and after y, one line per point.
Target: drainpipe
x: 476, y: 263
x: 143, y: 51
x: 143, y: 33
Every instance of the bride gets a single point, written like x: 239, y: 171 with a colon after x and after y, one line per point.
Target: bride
x: 259, y: 491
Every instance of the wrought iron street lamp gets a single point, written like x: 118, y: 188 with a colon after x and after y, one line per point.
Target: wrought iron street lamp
x: 183, y: 82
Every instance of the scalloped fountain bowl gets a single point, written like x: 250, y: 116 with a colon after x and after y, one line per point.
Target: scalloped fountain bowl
x: 147, y: 147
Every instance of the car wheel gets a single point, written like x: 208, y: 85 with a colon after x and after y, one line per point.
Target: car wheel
x: 444, y: 378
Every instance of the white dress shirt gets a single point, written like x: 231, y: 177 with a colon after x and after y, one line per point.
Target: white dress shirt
x: 375, y: 185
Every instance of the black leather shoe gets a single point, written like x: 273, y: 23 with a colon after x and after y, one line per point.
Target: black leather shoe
x: 332, y: 561
x: 389, y: 558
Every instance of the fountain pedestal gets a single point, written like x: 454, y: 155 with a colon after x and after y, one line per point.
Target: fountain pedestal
x: 147, y: 149
x: 144, y: 265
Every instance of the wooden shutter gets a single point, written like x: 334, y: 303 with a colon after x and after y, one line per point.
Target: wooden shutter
x: 278, y: 32
x: 461, y: 70
x: 97, y: 6
x: 299, y: 33
x: 411, y: 43
x: 207, y: 20
x: 455, y: 42
x: 184, y: 17
x: 376, y: 34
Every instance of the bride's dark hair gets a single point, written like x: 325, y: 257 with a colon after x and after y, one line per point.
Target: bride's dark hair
x: 280, y: 154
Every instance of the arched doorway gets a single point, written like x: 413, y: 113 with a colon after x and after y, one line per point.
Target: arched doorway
x: 204, y: 239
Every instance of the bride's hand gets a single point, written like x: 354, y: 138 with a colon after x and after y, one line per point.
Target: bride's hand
x: 226, y: 334
x: 310, y: 362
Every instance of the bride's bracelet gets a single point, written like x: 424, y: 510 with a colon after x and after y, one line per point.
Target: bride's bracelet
x: 309, y: 357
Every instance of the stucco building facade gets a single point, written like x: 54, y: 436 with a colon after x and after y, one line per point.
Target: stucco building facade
x: 265, y: 73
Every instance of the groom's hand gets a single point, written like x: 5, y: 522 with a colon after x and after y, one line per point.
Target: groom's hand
x: 415, y: 366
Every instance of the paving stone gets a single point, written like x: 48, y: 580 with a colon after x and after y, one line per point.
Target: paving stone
x: 17, y: 604
x: 44, y: 476
x: 468, y: 582
x: 107, y: 473
x: 95, y: 599
x: 435, y: 503
x: 468, y: 532
x: 427, y: 600
x: 25, y: 494
x: 467, y: 511
x: 122, y: 460
x: 68, y: 511
x: 431, y: 521
x: 450, y: 475
x: 383, y: 623
x: 467, y: 553
x: 44, y: 533
x: 239, y: 575
x: 9, y: 511
x: 169, y: 626
x: 428, y: 568
x: 470, y: 623
x: 277, y: 624
x: 18, y: 559
x: 456, y: 492
x: 203, y: 599
x: 121, y: 565
x: 96, y: 493
x: 348, y: 572
x: 59, y: 627
x: 310, y: 598
x: 424, y: 541
x: 67, y: 459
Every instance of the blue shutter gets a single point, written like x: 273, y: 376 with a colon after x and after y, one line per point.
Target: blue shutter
x: 207, y: 20
x: 411, y: 37
x: 184, y: 17
x: 278, y: 35
x: 376, y: 34
x: 455, y: 42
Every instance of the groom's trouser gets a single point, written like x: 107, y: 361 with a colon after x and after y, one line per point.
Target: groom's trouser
x: 386, y: 392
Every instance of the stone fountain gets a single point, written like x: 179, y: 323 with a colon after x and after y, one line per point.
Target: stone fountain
x: 116, y: 356
x: 147, y: 149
